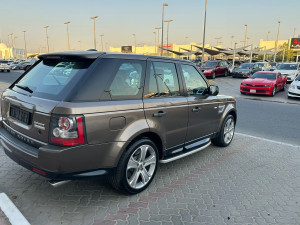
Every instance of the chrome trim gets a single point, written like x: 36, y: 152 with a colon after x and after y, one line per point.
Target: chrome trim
x: 21, y: 134
x: 57, y: 183
x: 186, y: 154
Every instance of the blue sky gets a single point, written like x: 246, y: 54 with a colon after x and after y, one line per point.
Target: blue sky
x: 119, y: 19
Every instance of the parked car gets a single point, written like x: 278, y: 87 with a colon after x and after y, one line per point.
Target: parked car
x: 273, y: 66
x: 13, y: 65
x: 266, y: 83
x: 111, y: 114
x: 4, y: 66
x: 244, y: 70
x: 23, y: 65
x: 291, y: 70
x: 294, y: 89
x: 262, y: 66
x: 215, y: 68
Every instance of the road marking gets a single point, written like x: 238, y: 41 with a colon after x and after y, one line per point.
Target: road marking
x: 11, y: 211
x: 269, y: 140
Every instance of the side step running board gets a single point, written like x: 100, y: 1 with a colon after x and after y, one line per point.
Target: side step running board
x: 185, y: 154
x: 57, y: 183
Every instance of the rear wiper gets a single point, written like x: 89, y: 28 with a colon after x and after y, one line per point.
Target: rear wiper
x: 24, y: 88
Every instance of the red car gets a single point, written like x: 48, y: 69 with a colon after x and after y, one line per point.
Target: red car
x: 266, y: 83
x: 215, y: 68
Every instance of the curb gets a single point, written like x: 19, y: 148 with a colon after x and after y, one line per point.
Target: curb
x: 11, y: 211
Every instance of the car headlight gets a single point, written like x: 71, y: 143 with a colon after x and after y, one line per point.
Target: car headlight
x: 245, y: 72
x: 243, y: 84
x: 292, y: 87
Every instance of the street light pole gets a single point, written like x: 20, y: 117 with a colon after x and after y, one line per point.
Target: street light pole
x: 15, y: 46
x: 162, y: 28
x: 134, y: 43
x: 204, y: 27
x: 67, y: 23
x: 233, y: 60
x: 268, y: 35
x: 94, y: 18
x: 46, y: 27
x: 24, y: 31
x: 231, y: 41
x: 245, y: 34
x: 157, y: 28
x: 276, y: 43
x: 294, y: 32
x: 154, y: 42
x: 12, y: 45
x: 168, y: 21
x: 101, y: 35
x: 185, y: 40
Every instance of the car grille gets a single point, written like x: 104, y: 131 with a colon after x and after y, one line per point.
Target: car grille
x: 257, y: 91
x: 254, y: 85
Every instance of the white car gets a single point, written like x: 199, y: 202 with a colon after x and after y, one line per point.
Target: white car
x: 4, y: 65
x: 294, y: 89
x: 291, y: 70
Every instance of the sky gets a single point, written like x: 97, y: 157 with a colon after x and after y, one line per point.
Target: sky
x: 119, y: 19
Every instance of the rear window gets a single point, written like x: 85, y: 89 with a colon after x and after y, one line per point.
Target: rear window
x: 53, y: 78
x: 3, y: 61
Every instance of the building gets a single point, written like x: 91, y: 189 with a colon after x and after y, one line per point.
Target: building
x: 11, y: 53
x: 271, y: 44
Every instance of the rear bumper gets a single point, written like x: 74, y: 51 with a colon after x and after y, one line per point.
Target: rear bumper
x: 57, y: 162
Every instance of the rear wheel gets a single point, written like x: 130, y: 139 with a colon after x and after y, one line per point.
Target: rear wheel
x: 226, y: 73
x: 226, y: 133
x: 213, y: 76
x: 136, y: 168
x: 8, y: 71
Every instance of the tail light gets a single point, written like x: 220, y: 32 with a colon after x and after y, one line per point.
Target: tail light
x: 67, y: 130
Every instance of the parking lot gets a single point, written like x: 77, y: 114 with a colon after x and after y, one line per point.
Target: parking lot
x: 253, y: 181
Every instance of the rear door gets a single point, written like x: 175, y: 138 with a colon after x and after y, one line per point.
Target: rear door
x: 165, y: 105
x: 203, y: 108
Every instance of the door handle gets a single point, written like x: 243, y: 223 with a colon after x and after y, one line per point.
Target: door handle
x: 196, y: 109
x: 159, y: 114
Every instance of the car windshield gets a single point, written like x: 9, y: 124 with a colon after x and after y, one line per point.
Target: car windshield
x: 209, y: 64
x: 246, y: 66
x: 270, y: 76
x: 52, y: 79
x: 285, y: 66
x: 273, y: 63
x: 260, y: 64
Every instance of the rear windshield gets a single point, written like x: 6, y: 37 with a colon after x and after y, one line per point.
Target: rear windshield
x: 270, y: 76
x: 52, y: 79
x: 209, y: 64
x: 246, y: 66
x: 3, y: 61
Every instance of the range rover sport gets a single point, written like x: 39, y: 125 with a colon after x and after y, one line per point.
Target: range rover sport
x: 80, y: 114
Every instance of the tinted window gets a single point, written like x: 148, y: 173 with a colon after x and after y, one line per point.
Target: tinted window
x: 246, y: 66
x: 209, y: 64
x: 127, y: 80
x: 287, y: 66
x: 52, y: 79
x: 194, y: 82
x: 163, y: 80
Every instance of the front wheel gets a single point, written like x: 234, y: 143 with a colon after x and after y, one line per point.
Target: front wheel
x: 274, y: 91
x: 226, y: 133
x: 136, y: 168
x: 226, y: 73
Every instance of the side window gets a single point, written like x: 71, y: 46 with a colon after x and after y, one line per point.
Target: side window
x: 163, y: 80
x: 127, y: 80
x: 194, y: 82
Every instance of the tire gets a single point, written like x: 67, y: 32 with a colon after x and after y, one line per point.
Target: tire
x: 243, y: 93
x: 120, y: 178
x: 225, y: 135
x: 274, y: 91
x: 213, y: 76
x: 226, y: 73
x: 8, y: 71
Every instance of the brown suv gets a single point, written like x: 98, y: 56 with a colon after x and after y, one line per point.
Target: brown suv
x: 81, y: 114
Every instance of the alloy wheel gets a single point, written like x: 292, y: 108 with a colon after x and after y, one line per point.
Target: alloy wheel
x: 141, y: 167
x: 228, y: 130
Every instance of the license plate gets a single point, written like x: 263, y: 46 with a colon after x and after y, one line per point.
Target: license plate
x: 252, y: 91
x: 20, y: 115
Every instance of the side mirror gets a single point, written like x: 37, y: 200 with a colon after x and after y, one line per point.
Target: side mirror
x: 213, y: 90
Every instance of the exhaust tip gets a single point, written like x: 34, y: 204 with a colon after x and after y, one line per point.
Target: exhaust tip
x: 57, y: 183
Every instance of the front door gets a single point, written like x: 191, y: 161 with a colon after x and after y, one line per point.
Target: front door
x: 166, y: 108
x: 203, y: 108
